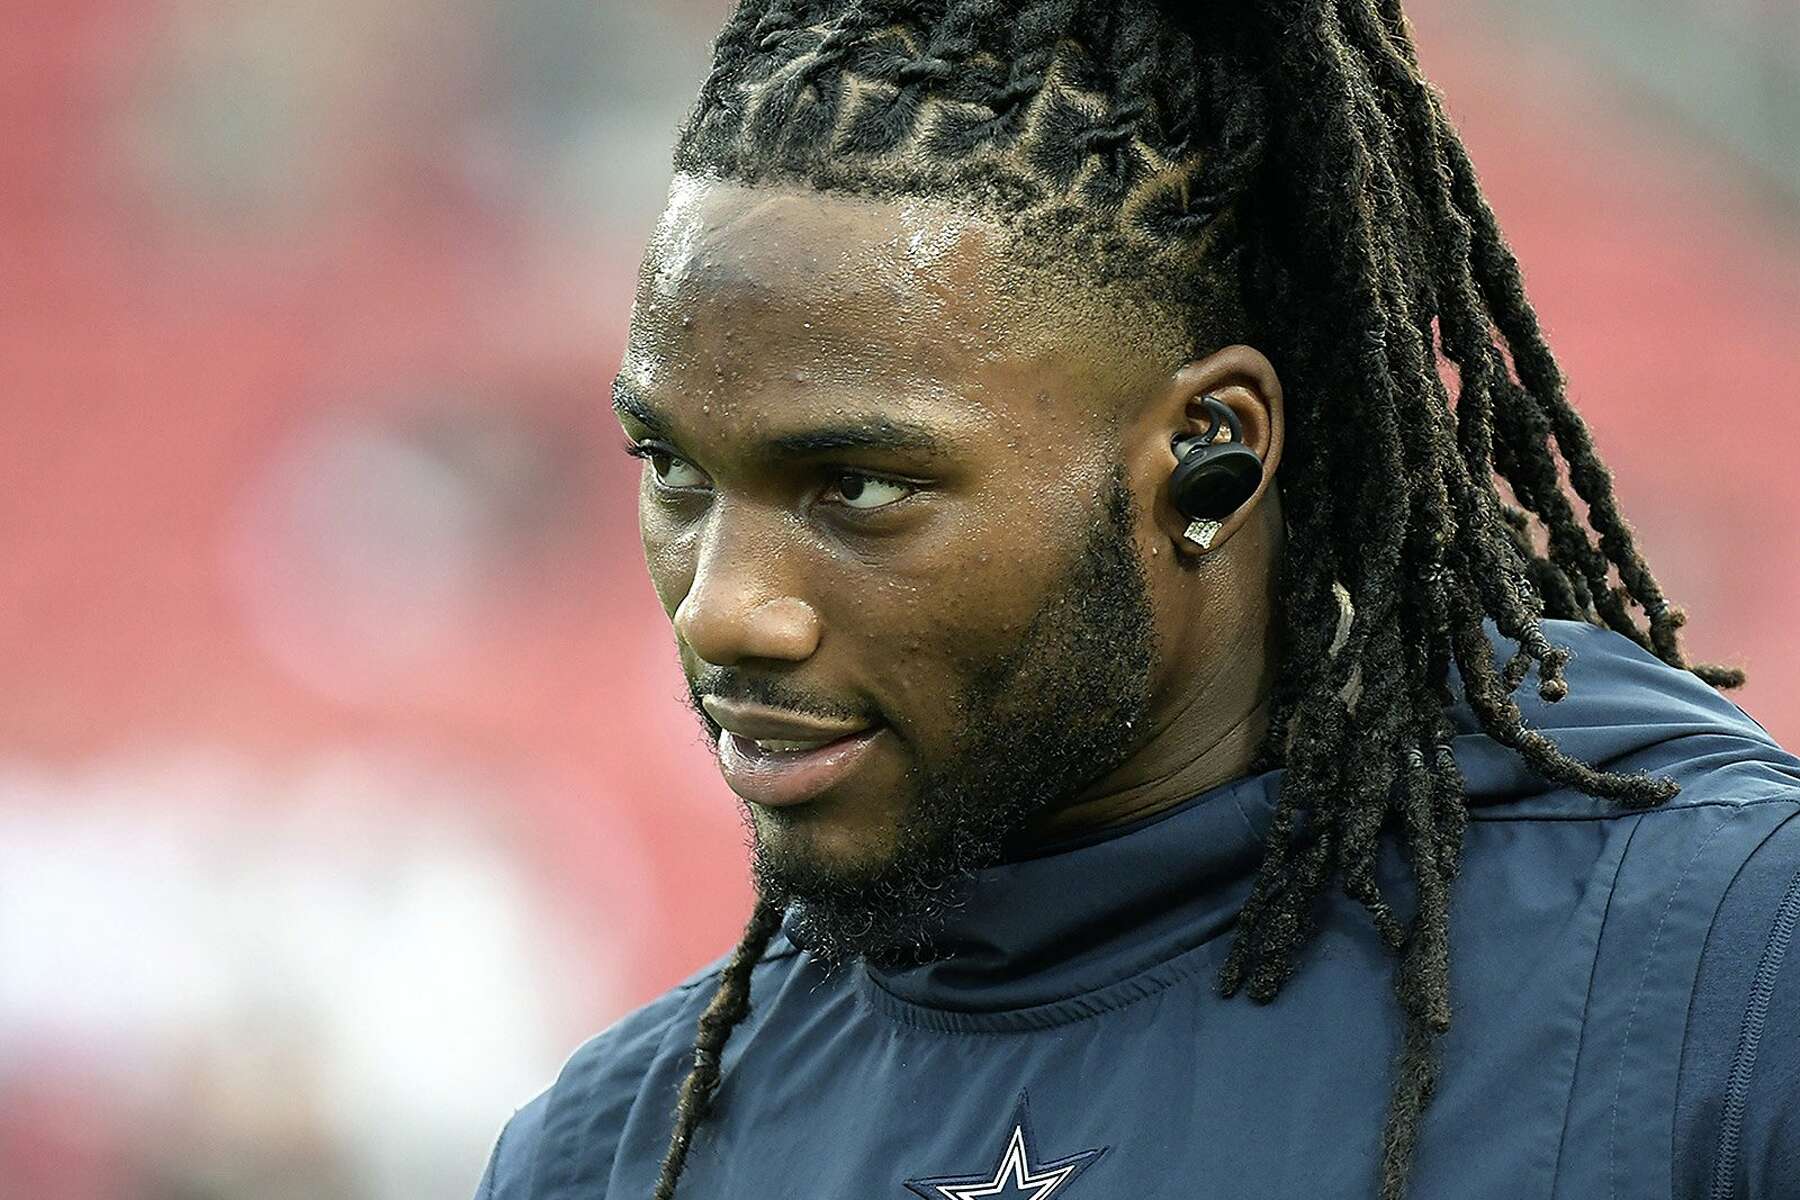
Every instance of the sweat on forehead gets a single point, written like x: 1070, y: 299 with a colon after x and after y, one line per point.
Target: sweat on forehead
x: 920, y: 276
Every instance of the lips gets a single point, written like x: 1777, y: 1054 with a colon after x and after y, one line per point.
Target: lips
x: 782, y: 777
x: 776, y: 758
x: 761, y: 722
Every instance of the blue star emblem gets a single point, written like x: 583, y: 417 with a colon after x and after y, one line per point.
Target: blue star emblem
x: 1018, y: 1174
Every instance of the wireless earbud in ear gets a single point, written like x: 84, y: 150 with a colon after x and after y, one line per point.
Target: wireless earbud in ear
x: 1212, y: 481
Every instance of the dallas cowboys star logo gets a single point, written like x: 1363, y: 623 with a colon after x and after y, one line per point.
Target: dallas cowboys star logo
x: 1014, y: 1176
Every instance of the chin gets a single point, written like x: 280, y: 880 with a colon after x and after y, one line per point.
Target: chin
x: 822, y: 842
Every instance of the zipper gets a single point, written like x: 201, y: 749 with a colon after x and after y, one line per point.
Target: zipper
x: 1743, y: 1062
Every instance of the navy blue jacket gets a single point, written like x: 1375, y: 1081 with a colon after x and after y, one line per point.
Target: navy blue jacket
x: 1626, y: 1010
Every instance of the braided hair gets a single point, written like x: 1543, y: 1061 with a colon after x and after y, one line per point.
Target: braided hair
x: 1290, y: 159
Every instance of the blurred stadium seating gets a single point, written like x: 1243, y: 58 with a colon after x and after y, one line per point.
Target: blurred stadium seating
x: 345, y: 783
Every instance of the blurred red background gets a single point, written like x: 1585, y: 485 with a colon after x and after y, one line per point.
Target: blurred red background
x: 345, y: 780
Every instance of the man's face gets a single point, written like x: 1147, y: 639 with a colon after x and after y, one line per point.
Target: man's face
x: 884, y: 508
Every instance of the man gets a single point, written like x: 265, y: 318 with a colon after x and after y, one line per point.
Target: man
x: 1102, y: 609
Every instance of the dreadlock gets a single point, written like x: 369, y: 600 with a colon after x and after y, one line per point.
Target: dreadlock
x: 729, y: 1005
x: 1292, y: 160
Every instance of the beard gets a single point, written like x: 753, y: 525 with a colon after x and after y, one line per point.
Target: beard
x: 1040, y: 720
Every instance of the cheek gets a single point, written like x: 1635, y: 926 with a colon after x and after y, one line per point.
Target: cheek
x: 920, y: 636
x: 670, y: 565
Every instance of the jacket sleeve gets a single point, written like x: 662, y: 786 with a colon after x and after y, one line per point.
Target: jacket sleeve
x: 508, y: 1174
x: 1737, y: 1118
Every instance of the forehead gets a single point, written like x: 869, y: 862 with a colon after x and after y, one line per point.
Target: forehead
x: 823, y: 285
x: 729, y: 232
x: 894, y: 272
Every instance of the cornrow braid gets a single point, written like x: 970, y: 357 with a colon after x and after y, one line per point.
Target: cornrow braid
x: 998, y: 103
x: 1294, y: 164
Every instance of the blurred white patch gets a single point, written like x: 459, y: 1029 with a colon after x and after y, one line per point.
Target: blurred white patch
x: 262, y: 959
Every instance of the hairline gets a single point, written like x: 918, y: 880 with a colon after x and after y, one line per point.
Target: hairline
x: 1186, y: 303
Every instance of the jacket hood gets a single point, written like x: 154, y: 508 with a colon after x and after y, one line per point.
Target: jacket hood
x: 1626, y: 711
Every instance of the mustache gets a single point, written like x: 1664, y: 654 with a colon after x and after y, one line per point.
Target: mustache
x: 734, y: 683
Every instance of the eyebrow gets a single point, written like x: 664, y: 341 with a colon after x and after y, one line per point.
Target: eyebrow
x: 873, y: 432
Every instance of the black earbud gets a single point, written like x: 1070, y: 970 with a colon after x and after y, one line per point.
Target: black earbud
x: 1210, y: 481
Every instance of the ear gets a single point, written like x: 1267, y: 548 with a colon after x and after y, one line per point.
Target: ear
x: 1244, y: 380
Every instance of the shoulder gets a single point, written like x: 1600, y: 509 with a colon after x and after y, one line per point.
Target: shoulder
x: 603, y: 1079
x: 1626, y: 712
x: 508, y: 1173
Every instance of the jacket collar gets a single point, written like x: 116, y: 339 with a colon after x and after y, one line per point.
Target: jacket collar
x: 1080, y: 914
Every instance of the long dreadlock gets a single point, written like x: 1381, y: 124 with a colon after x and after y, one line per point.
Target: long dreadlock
x: 1291, y: 157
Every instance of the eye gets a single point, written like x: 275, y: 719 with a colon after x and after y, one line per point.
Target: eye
x: 671, y: 470
x: 865, y: 492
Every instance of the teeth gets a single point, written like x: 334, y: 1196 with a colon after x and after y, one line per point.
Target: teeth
x: 779, y: 746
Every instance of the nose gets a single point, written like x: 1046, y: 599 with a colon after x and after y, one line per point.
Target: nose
x: 737, y: 607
